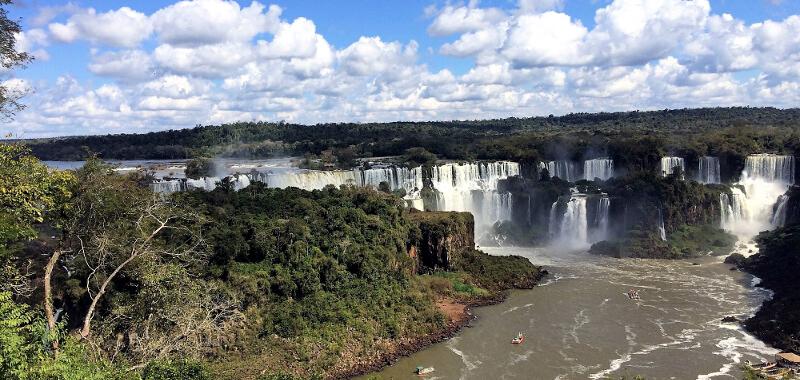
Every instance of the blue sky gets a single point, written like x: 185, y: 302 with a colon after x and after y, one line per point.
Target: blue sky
x: 113, y: 66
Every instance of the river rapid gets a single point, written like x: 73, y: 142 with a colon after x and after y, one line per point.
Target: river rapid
x: 580, y: 324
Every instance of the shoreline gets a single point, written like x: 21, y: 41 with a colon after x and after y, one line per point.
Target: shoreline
x: 414, y: 345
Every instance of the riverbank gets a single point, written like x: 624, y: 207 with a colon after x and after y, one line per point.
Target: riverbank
x: 456, y: 303
x: 580, y: 323
x: 777, y: 264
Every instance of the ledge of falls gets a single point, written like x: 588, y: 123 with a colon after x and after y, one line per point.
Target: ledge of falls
x: 468, y: 187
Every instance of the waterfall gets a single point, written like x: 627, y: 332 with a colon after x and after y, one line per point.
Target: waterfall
x: 708, y: 170
x: 770, y: 168
x: 734, y: 209
x: 472, y: 187
x: 602, y: 168
x: 168, y: 186
x: 662, y: 232
x: 572, y: 228
x: 396, y: 177
x: 565, y: 170
x: 668, y: 165
x: 779, y: 216
x: 755, y: 204
x: 553, y: 225
x: 601, y: 219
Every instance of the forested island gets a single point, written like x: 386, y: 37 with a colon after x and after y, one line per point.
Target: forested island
x: 367, y: 250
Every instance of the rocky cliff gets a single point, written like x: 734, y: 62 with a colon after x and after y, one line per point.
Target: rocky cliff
x: 442, y: 238
x: 777, y: 264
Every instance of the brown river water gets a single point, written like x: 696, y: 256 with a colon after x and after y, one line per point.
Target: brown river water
x: 579, y: 324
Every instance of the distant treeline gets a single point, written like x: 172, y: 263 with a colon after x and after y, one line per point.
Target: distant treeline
x: 692, y: 131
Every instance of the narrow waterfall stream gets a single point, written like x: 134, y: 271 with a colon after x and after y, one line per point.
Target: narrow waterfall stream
x: 708, y: 170
x: 668, y: 165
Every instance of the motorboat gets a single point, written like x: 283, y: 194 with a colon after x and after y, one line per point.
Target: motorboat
x: 422, y: 371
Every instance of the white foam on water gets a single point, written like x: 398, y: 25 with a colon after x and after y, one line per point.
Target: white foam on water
x: 615, y: 365
x: 630, y: 336
x: 469, y: 365
x: 735, y: 347
x: 515, y: 308
x: 581, y: 319
x: 686, y: 336
x: 518, y: 358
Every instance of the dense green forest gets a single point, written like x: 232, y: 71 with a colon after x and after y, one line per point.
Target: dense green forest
x: 715, y: 131
x: 104, y: 279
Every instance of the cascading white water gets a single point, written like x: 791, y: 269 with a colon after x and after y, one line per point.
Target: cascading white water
x: 396, y: 177
x: 662, y: 232
x: 764, y: 180
x: 708, y: 170
x: 770, y: 168
x: 553, y: 222
x: 601, y: 219
x: 668, y: 165
x: 602, y: 168
x: 565, y: 170
x: 779, y: 216
x: 472, y: 187
x: 572, y: 229
x: 168, y: 186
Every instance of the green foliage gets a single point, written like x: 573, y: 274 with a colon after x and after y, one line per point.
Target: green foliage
x: 326, y: 269
x: 25, y: 353
x: 419, y: 157
x: 454, y: 284
x: 175, y: 370
x: 700, y: 240
x: 28, y: 190
x: 497, y: 273
x: 28, y: 193
x: 15, y: 345
x: 199, y: 167
x: 10, y: 59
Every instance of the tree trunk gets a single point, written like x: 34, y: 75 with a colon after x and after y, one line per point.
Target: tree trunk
x: 48, y: 295
x: 87, y: 321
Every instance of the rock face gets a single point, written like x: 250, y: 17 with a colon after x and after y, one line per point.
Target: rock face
x: 777, y: 264
x: 730, y: 319
x: 443, y: 236
x: 793, y: 206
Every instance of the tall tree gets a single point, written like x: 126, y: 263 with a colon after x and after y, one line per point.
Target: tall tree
x: 113, y: 224
x: 28, y: 191
x: 10, y: 58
